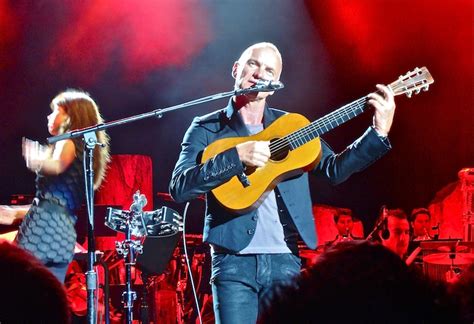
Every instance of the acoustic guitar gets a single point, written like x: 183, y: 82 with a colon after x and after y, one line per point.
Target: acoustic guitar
x: 295, y: 146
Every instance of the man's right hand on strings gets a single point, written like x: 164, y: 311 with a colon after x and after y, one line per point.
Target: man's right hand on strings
x: 254, y: 153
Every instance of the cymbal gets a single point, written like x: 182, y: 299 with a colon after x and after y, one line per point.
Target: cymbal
x: 445, y: 259
x: 459, y: 248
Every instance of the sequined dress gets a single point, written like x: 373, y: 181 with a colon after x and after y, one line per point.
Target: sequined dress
x: 48, y: 228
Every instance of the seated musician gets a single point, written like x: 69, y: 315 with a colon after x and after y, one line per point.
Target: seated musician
x: 395, y: 232
x: 420, y: 221
x: 344, y: 221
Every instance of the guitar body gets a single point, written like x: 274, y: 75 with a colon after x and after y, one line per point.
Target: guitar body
x: 239, y: 198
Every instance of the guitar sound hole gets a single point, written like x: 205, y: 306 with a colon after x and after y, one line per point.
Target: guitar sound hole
x: 280, y: 149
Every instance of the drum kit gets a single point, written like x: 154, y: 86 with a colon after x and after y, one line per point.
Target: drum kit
x: 151, y: 258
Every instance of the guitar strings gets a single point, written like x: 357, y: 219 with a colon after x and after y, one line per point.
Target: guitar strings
x: 335, y: 117
x: 338, y: 114
x: 318, y: 124
x: 309, y: 130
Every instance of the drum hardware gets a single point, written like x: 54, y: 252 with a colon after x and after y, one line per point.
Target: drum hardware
x: 129, y: 248
x: 162, y: 223
x: 466, y: 177
x: 443, y: 266
x: 75, y: 283
x: 449, y: 264
x: 436, y: 228
x: 457, y: 248
x: 158, y: 223
x: 144, y: 313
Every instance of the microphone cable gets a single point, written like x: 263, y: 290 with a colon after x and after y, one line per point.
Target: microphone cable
x: 186, y: 256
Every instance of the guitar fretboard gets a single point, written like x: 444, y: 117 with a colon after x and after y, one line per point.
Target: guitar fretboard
x: 412, y: 82
x: 319, y: 126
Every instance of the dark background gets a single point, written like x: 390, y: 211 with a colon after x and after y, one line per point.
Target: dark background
x: 136, y: 56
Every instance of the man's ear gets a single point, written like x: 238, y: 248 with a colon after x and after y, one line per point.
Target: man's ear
x: 235, y: 67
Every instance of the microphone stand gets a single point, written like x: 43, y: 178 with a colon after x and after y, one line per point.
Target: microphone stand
x: 379, y: 224
x: 160, y: 112
x: 377, y: 227
x: 90, y: 141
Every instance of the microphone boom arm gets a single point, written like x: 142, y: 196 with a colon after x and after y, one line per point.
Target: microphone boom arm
x: 264, y: 86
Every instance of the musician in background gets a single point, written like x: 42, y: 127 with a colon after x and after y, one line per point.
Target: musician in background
x: 257, y: 249
x: 344, y: 222
x: 395, y: 232
x: 420, y: 221
x: 47, y: 230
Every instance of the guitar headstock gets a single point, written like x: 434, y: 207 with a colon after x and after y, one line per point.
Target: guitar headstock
x: 412, y: 82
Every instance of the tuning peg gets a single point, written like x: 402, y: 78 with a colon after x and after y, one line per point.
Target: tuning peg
x: 426, y: 87
x: 409, y: 93
x: 417, y: 91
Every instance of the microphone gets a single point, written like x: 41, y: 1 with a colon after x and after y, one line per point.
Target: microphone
x: 261, y: 86
x: 270, y: 85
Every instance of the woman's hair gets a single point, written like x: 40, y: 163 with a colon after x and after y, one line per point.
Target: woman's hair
x: 84, y: 112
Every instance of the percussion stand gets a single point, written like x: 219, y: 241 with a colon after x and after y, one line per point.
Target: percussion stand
x: 129, y: 249
x: 144, y: 313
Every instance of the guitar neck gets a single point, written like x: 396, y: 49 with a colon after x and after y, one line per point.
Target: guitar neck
x: 338, y: 117
x: 326, y: 123
x: 412, y: 82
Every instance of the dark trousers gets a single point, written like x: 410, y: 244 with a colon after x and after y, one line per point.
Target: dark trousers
x: 240, y: 282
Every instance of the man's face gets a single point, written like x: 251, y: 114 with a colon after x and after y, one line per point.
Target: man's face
x: 421, y: 225
x: 399, y: 238
x: 261, y: 63
x: 344, y: 225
